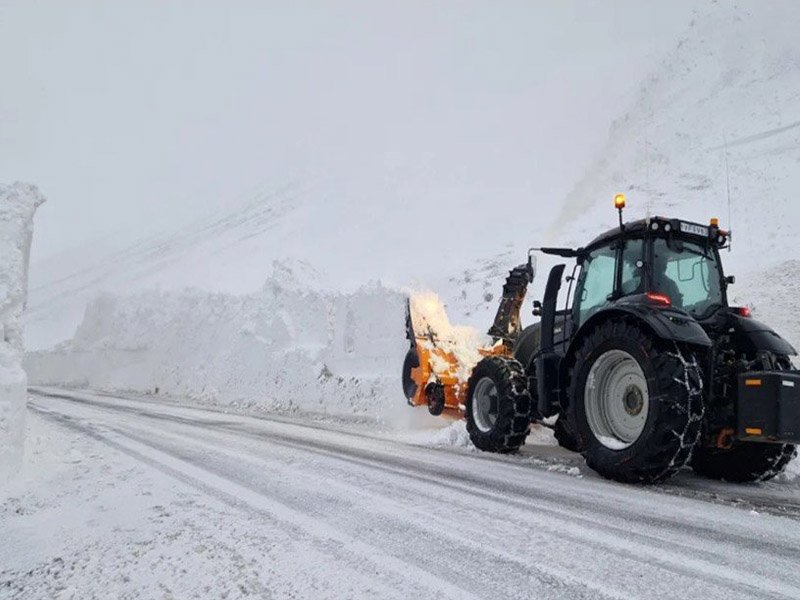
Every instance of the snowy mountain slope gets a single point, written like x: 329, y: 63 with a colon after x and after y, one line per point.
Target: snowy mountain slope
x: 62, y: 286
x: 731, y: 86
x: 732, y: 81
x: 398, y: 232
x: 721, y: 111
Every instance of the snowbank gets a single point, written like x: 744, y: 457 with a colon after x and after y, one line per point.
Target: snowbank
x: 284, y: 348
x: 18, y: 203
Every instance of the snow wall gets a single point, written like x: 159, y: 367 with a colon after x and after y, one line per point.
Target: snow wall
x: 18, y: 203
x: 285, y: 348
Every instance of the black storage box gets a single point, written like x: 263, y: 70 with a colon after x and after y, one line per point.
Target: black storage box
x: 768, y: 407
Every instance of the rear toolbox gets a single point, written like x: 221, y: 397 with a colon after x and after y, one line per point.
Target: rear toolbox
x: 768, y: 407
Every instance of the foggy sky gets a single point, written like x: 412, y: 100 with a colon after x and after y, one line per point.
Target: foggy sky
x: 135, y: 116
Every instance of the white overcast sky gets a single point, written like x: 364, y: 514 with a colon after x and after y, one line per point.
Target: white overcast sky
x: 133, y: 116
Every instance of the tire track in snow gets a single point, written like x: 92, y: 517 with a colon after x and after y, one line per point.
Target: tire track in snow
x: 237, y: 493
x: 561, y: 583
x: 427, y: 476
x: 654, y: 552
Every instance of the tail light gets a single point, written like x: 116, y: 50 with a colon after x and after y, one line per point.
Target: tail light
x: 743, y: 311
x: 658, y: 298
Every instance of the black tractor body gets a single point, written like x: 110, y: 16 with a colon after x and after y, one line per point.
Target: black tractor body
x: 646, y: 329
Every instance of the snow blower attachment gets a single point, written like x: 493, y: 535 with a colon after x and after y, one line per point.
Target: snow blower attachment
x: 646, y: 369
x: 449, y: 369
x: 442, y: 356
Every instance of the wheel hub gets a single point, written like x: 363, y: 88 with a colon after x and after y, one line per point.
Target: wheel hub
x: 485, y: 404
x: 634, y: 401
x: 616, y: 399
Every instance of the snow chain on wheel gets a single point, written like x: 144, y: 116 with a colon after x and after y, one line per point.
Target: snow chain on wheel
x: 743, y: 462
x: 636, y: 403
x: 498, y: 407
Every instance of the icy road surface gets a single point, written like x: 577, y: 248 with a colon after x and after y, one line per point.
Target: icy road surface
x: 137, y: 499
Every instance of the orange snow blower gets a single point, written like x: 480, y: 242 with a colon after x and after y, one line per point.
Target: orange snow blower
x: 440, y: 361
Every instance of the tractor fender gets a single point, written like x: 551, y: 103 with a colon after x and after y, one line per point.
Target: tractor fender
x: 664, y: 323
x: 758, y: 337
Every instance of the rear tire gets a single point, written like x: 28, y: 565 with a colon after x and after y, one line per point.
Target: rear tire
x: 743, y: 462
x: 498, y: 407
x: 645, y: 409
x: 746, y: 461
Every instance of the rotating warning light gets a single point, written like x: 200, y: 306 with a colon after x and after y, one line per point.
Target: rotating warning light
x: 714, y: 222
x: 619, y: 201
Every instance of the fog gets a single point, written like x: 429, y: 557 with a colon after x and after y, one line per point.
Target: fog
x: 136, y: 117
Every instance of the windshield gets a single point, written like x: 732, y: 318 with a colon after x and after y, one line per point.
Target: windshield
x: 689, y: 274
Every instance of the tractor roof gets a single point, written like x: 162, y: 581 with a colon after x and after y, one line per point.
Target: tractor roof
x: 661, y: 226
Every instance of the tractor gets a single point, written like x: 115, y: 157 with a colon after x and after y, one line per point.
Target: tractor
x: 645, y: 370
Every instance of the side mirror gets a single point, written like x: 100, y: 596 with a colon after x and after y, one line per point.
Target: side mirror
x: 537, y: 308
x: 730, y: 280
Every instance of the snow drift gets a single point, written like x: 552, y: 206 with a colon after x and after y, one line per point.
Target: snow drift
x: 284, y: 348
x: 18, y: 203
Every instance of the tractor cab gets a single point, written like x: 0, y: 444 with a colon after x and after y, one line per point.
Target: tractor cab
x: 664, y: 262
x: 664, y: 272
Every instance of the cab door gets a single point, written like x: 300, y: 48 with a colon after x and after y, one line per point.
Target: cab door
x: 607, y: 274
x: 596, y: 283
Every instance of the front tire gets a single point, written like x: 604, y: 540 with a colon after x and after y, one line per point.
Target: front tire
x: 409, y: 385
x: 743, y: 462
x: 564, y: 434
x: 498, y: 407
x: 636, y: 402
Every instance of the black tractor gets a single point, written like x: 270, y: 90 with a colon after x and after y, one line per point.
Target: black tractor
x: 647, y: 367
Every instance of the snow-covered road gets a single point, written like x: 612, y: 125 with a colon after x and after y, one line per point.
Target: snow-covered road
x: 217, y: 505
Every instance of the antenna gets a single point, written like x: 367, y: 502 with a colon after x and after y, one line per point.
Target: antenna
x: 728, y: 190
x: 647, y: 166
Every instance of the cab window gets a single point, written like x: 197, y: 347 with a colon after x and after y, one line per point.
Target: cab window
x: 632, y: 275
x: 689, y: 274
x: 596, y: 282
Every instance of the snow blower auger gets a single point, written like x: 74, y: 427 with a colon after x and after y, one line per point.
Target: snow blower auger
x: 446, y: 370
x: 647, y: 368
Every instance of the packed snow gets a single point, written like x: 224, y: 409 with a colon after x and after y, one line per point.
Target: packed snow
x: 142, y: 498
x: 285, y: 348
x: 18, y: 202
